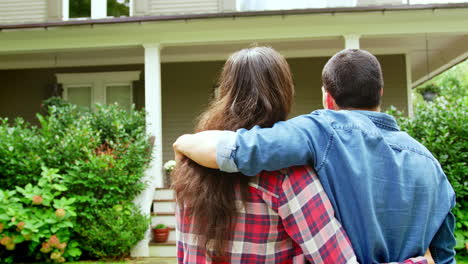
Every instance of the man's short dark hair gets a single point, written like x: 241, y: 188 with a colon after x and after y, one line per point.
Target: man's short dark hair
x: 354, y: 79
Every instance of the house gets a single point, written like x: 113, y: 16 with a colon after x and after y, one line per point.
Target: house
x: 165, y: 55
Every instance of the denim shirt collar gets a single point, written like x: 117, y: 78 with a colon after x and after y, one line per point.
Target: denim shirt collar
x: 381, y: 120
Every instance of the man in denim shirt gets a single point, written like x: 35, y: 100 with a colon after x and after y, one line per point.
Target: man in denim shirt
x: 388, y: 191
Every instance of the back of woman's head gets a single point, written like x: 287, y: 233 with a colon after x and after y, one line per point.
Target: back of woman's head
x: 255, y: 88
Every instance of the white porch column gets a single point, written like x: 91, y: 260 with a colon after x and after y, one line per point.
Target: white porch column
x: 409, y: 84
x: 153, y: 107
x: 154, y: 174
x: 352, y: 41
x: 98, y: 9
x: 65, y: 10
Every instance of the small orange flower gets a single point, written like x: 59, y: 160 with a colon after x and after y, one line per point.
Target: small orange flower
x: 37, y: 200
x: 60, y: 213
x: 46, y: 248
x: 54, y: 241
x: 5, y: 240
x: 20, y: 226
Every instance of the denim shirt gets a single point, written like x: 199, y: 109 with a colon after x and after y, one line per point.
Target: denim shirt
x: 388, y: 191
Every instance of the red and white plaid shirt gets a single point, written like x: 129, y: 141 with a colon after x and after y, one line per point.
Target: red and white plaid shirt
x: 288, y: 218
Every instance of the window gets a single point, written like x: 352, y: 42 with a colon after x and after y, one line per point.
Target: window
x: 87, y: 89
x: 76, y: 9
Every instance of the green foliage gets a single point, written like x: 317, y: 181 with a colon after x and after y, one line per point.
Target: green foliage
x: 114, y: 231
x: 36, y: 221
x: 442, y: 126
x: 431, y: 87
x: 116, y: 9
x: 82, y: 8
x: 160, y: 226
x: 102, y: 156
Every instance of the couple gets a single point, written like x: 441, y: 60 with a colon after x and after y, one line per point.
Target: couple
x: 339, y: 185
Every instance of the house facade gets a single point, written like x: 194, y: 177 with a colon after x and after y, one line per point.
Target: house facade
x: 165, y: 56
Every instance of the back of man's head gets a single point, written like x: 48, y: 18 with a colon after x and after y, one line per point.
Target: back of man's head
x: 354, y: 79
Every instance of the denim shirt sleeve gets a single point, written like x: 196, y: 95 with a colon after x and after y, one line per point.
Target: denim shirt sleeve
x: 443, y: 244
x: 226, y: 151
x: 299, y: 141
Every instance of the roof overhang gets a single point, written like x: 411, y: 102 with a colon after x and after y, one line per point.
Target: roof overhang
x: 381, y: 8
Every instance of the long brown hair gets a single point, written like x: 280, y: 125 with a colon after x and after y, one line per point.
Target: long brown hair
x: 255, y: 88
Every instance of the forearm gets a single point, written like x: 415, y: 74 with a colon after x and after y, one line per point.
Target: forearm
x: 298, y: 141
x: 286, y: 144
x: 200, y: 147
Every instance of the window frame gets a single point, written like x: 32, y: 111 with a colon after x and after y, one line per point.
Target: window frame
x: 66, y: 11
x: 98, y: 82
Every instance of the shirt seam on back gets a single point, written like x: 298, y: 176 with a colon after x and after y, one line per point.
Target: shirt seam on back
x: 400, y: 147
x: 327, y: 151
x: 380, y: 122
x: 352, y: 127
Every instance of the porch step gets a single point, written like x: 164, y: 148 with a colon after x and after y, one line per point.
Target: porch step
x: 166, y: 249
x: 164, y: 213
x: 164, y: 194
x: 164, y: 206
x: 168, y: 219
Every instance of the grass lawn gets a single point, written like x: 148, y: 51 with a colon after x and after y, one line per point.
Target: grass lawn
x: 463, y: 260
x: 133, y: 261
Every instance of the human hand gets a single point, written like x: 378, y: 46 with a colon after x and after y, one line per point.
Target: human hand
x: 199, y: 147
x: 429, y: 258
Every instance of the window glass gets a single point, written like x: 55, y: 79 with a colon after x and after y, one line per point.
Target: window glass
x: 120, y: 94
x: 79, y: 8
x: 117, y: 8
x: 82, y: 8
x: 79, y: 95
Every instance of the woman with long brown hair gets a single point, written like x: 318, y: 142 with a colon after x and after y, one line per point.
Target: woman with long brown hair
x: 276, y: 217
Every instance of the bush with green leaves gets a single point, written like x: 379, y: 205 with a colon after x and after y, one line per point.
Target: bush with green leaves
x: 36, y: 222
x: 124, y: 224
x: 442, y: 126
x: 102, y: 155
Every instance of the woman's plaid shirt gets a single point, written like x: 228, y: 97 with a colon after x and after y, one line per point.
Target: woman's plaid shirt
x: 287, y: 219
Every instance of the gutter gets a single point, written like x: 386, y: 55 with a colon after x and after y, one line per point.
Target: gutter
x: 142, y: 19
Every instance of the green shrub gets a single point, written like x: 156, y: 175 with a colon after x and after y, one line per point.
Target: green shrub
x: 20, y: 162
x: 114, y: 231
x: 39, y: 220
x: 101, y: 154
x: 442, y: 126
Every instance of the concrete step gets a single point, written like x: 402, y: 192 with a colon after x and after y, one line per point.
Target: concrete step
x: 164, y: 194
x: 164, y: 206
x: 155, y: 260
x: 168, y: 219
x: 167, y: 249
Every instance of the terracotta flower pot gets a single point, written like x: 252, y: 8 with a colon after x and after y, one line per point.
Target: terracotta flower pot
x: 160, y: 234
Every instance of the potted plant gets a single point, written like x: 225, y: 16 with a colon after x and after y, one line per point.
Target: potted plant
x: 160, y: 233
x: 429, y: 91
x: 168, y: 168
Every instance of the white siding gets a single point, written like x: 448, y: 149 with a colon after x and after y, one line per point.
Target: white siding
x: 168, y: 7
x: 23, y: 11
